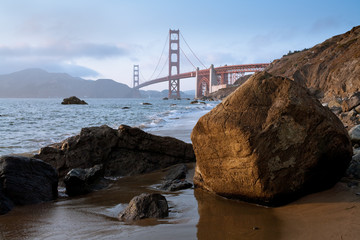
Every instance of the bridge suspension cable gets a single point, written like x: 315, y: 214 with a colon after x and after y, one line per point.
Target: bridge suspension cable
x: 162, y: 53
x: 187, y: 58
x: 142, y: 76
x: 162, y: 69
x: 193, y: 51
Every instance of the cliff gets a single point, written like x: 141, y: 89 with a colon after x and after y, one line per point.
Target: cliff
x: 331, y: 69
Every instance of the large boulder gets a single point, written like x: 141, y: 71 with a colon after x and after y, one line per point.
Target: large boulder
x: 122, y: 152
x: 26, y: 181
x: 146, y: 205
x: 269, y: 142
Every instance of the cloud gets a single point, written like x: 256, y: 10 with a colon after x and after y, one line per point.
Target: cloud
x: 58, y: 57
x: 64, y: 51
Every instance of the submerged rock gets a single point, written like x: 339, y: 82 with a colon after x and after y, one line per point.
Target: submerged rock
x: 26, y: 181
x: 269, y: 142
x: 123, y: 152
x: 145, y: 205
x: 73, y: 100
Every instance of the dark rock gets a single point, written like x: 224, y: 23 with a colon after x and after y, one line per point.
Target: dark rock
x: 123, y: 152
x: 26, y: 181
x: 177, y: 172
x: 269, y: 142
x: 175, y: 179
x: 353, y: 170
x: 176, y: 185
x: 336, y: 110
x: 145, y: 103
x: 145, y: 206
x: 80, y: 181
x: 5, y: 204
x: 354, y: 134
x: 73, y: 100
x: 165, y: 98
x: 125, y: 108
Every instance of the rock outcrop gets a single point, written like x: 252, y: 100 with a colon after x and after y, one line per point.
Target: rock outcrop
x: 73, y: 100
x: 332, y: 67
x: 122, y: 152
x: 269, y: 142
x: 145, y: 205
x: 25, y: 181
x: 80, y: 181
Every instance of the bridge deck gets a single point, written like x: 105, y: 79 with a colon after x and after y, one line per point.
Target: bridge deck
x: 219, y: 70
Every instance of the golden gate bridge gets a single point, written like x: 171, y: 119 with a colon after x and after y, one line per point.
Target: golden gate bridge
x: 207, y: 79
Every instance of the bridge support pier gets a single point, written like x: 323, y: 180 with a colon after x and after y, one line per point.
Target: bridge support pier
x: 174, y: 63
x: 136, y: 76
x: 212, y: 78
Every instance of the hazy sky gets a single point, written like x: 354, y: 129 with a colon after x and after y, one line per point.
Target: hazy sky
x: 105, y: 38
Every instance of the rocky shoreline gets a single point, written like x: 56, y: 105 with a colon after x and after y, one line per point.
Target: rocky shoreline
x: 85, y: 162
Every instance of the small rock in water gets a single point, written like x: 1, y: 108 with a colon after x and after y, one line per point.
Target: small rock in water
x: 125, y: 108
x: 73, y: 100
x: 175, y: 179
x: 146, y: 205
x: 194, y: 102
x: 145, y: 103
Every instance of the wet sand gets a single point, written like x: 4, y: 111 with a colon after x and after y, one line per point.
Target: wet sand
x: 195, y: 214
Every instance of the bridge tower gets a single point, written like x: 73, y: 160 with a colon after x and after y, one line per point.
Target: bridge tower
x: 136, y: 76
x: 174, y: 63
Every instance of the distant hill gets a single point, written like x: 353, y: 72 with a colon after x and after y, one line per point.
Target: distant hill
x: 37, y: 83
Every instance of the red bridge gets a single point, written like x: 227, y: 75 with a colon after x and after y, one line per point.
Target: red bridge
x: 206, y: 79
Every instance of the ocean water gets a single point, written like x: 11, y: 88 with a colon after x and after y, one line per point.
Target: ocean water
x: 26, y: 125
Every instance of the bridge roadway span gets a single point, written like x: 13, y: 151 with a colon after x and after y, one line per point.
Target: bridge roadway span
x: 205, y: 72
